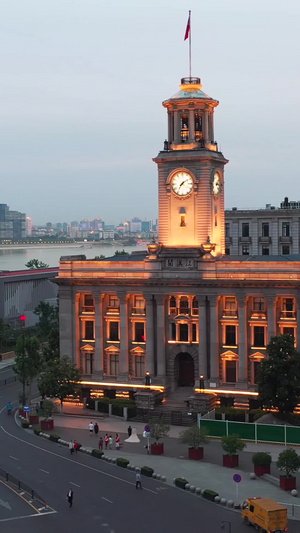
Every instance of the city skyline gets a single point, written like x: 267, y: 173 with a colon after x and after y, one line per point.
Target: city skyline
x: 83, y: 118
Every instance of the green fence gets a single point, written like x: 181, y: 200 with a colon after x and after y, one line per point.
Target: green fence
x: 253, y: 432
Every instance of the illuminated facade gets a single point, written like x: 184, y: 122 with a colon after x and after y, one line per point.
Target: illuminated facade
x: 184, y: 308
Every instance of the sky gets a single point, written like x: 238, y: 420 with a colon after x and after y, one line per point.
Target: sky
x: 82, y: 82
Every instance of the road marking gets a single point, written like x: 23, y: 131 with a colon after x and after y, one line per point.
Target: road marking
x: 46, y: 472
x: 75, y: 462
x: 15, y: 458
x: 71, y: 483
x: 5, y: 504
x: 106, y: 499
x: 27, y: 516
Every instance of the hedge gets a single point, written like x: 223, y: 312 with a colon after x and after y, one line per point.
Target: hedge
x: 210, y: 495
x: 147, y: 471
x: 181, y: 482
x: 37, y: 431
x: 122, y: 462
x: 97, y: 453
x: 54, y: 437
x: 25, y: 424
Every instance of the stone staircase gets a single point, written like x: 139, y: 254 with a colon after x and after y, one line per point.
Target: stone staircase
x: 174, y: 411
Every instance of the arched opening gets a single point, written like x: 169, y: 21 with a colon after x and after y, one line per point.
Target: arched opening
x: 184, y: 370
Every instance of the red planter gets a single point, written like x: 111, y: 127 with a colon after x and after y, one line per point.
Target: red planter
x: 261, y: 470
x: 47, y: 425
x: 157, y: 449
x: 33, y: 419
x: 231, y: 461
x: 288, y: 483
x: 22, y: 413
x: 195, y: 453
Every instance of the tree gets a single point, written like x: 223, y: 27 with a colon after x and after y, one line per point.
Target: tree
x: 51, y: 349
x: 28, y: 361
x: 121, y: 252
x: 36, y: 264
x: 194, y: 437
x: 279, y: 375
x: 48, y: 318
x: 59, y: 379
x: 158, y: 429
x: 232, y: 444
x: 288, y: 461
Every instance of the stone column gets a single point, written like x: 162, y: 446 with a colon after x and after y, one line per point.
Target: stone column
x: 149, y: 363
x: 202, y: 347
x: 75, y: 332
x: 298, y: 323
x: 124, y: 349
x: 211, y: 126
x: 66, y: 311
x: 242, y: 346
x: 271, y: 303
x: 214, y: 339
x: 191, y: 126
x: 160, y: 337
x: 176, y: 127
x: 98, y: 362
x: 205, y: 125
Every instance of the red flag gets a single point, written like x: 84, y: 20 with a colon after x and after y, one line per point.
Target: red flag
x: 188, y: 28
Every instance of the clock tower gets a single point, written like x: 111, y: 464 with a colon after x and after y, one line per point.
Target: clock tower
x: 191, y: 173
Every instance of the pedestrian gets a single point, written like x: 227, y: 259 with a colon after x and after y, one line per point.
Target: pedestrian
x: 129, y: 431
x: 91, y: 428
x: 106, y: 440
x: 100, y: 444
x: 76, y: 446
x: 138, y: 483
x: 117, y: 441
x: 110, y: 442
x: 71, y: 447
x: 96, y: 428
x: 70, y: 497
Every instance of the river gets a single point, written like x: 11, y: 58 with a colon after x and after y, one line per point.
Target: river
x: 15, y: 257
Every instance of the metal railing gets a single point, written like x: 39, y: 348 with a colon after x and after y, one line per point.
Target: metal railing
x: 22, y: 487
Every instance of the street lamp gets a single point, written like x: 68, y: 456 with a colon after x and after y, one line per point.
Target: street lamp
x: 201, y: 383
x: 227, y: 523
x: 23, y: 318
x: 147, y: 379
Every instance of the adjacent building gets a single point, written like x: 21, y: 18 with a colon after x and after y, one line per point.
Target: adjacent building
x: 12, y: 224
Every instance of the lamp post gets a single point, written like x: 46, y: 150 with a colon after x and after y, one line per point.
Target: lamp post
x: 147, y: 379
x: 227, y: 524
x: 23, y: 318
x: 201, y: 383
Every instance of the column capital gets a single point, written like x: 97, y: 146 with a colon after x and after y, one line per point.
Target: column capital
x: 271, y: 299
x: 160, y: 299
x: 123, y: 296
x: 148, y: 298
x: 213, y: 299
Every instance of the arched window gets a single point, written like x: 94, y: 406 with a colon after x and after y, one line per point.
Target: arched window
x: 184, y: 305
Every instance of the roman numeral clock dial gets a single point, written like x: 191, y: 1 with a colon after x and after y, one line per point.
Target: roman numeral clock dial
x: 182, y: 183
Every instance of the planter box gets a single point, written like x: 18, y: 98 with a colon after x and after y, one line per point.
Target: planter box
x: 288, y: 483
x: 157, y: 449
x: 195, y: 453
x: 34, y: 419
x: 260, y: 470
x: 47, y: 425
x: 231, y: 461
x: 180, y: 483
x: 210, y: 495
x: 22, y: 413
x: 147, y: 471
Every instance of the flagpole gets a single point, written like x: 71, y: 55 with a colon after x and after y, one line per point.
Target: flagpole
x: 190, y: 45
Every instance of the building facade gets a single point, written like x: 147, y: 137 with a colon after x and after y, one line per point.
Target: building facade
x: 12, y: 224
x: 184, y: 309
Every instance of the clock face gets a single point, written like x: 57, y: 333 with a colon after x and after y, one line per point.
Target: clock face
x: 182, y: 183
x: 216, y: 186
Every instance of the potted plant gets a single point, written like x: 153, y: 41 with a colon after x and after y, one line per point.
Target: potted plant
x: 288, y: 462
x: 158, y: 430
x: 231, y: 444
x: 47, y: 424
x: 262, y: 462
x: 194, y: 437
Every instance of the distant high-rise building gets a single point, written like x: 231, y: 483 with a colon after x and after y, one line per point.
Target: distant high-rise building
x: 12, y: 224
x: 136, y: 225
x: 145, y: 226
x: 28, y: 226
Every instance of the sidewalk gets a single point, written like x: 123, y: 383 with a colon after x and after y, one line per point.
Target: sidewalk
x: 206, y: 474
x: 6, y: 362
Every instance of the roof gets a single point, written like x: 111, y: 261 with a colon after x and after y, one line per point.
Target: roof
x: 134, y: 256
x: 190, y: 94
x: 29, y: 271
x: 261, y: 258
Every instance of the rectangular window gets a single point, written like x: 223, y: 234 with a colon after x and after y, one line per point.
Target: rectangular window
x: 265, y: 250
x: 194, y: 333
x: 227, y: 251
x: 285, y: 229
x: 183, y: 332
x: 258, y: 304
x: 230, y: 371
x: 265, y: 229
x: 172, y: 306
x: 114, y: 301
x: 288, y: 307
x: 88, y: 363
x: 256, y: 368
x: 113, y: 331
x: 173, y: 331
x: 139, y: 305
x: 288, y: 331
x: 245, y: 250
x: 114, y: 364
x: 285, y: 249
x: 230, y: 335
x: 259, y: 336
x: 245, y: 229
x: 227, y: 229
x: 139, y: 332
x: 139, y: 366
x: 89, y: 330
x: 88, y: 300
x: 230, y: 306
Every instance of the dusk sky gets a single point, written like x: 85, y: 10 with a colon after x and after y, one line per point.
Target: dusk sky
x: 82, y: 83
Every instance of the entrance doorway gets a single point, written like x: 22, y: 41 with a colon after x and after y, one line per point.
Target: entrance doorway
x: 184, y: 370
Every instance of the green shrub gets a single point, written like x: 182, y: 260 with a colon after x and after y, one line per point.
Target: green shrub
x: 122, y: 462
x: 231, y: 444
x: 25, y: 424
x: 54, y: 437
x: 210, y: 495
x: 194, y: 436
x: 261, y: 459
x: 181, y: 482
x: 288, y: 462
x: 147, y: 471
x: 236, y: 415
x: 37, y: 431
x: 97, y: 453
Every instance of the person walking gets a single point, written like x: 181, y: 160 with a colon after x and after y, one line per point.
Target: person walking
x: 96, y: 428
x: 76, y: 446
x: 100, y: 444
x: 138, y: 483
x: 71, y: 447
x: 110, y: 442
x: 91, y: 428
x: 106, y: 440
x: 70, y: 497
x: 129, y: 431
x: 117, y: 438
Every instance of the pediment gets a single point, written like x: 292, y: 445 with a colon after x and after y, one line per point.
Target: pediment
x: 137, y: 351
x: 229, y: 355
x: 112, y: 349
x: 88, y: 348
